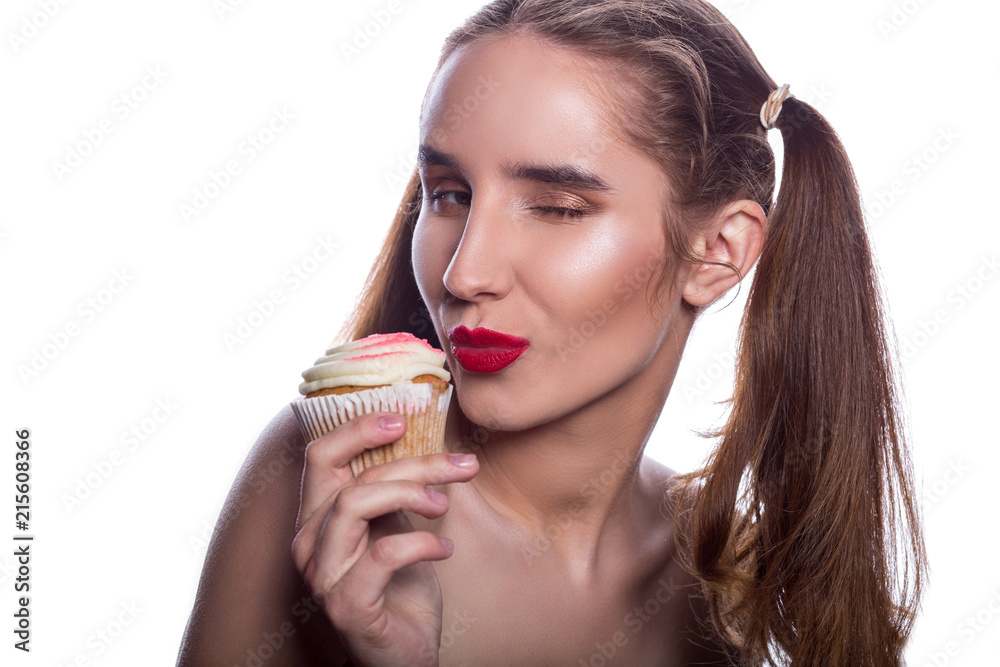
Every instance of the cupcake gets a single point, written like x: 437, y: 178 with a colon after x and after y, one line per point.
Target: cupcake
x: 395, y: 372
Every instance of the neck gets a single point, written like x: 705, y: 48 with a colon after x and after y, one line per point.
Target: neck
x: 571, y: 482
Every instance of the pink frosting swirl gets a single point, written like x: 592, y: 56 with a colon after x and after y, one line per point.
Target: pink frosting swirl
x: 376, y: 360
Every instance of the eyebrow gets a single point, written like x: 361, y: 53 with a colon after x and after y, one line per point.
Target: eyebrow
x: 568, y: 175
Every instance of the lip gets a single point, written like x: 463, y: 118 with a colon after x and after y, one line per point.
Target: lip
x: 484, y: 350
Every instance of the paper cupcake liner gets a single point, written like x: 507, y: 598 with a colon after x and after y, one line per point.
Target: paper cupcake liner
x: 423, y: 404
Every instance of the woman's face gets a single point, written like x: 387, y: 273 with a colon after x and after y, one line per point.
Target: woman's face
x: 539, y: 223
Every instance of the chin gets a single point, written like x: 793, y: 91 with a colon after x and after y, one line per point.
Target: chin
x: 488, y: 416
x: 502, y: 412
x: 492, y: 412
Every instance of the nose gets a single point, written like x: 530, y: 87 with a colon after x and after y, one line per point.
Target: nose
x: 480, y: 268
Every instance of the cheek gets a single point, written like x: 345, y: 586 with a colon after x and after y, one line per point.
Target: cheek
x: 430, y: 260
x: 599, y: 282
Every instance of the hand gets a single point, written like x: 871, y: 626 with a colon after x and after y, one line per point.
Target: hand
x: 358, y: 552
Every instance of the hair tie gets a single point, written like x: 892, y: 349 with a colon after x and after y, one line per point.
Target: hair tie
x: 772, y: 107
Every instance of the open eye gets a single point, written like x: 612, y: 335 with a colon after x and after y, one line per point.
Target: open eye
x: 442, y: 199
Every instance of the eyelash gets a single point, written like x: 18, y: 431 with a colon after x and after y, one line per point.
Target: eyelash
x: 438, y: 195
x: 561, y: 211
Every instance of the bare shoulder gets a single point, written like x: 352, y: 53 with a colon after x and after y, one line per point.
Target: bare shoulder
x: 659, y: 483
x: 251, y: 600
x: 655, y: 472
x: 688, y: 624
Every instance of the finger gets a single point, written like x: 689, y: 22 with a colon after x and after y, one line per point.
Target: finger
x: 428, y: 469
x: 338, y: 535
x: 345, y: 533
x: 343, y: 518
x: 326, y: 458
x: 431, y: 469
x: 342, y: 537
x: 359, y: 594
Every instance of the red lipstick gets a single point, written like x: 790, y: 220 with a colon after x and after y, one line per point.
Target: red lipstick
x: 485, y: 351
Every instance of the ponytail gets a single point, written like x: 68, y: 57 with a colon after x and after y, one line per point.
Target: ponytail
x: 806, y: 531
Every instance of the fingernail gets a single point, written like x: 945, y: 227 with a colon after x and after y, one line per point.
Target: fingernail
x: 391, y: 422
x: 436, y: 496
x: 462, y: 460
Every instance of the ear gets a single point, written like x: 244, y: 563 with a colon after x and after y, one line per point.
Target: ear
x: 736, y: 237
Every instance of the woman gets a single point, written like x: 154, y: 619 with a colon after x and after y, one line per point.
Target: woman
x: 591, y: 176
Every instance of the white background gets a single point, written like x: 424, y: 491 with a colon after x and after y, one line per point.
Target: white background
x: 137, y: 541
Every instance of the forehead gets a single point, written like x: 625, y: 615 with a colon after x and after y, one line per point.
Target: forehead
x: 517, y: 94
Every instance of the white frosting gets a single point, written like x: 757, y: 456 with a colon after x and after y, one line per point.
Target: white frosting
x: 377, y: 360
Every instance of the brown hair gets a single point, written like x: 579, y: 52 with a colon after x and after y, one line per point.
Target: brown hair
x: 803, y: 525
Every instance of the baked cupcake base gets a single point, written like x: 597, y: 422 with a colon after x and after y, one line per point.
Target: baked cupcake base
x: 424, y: 403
